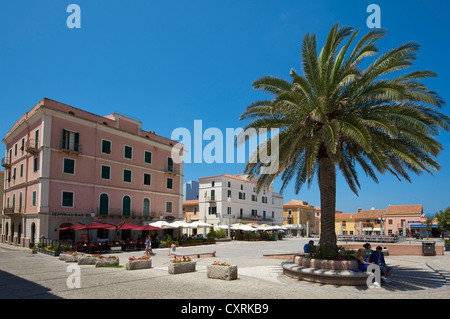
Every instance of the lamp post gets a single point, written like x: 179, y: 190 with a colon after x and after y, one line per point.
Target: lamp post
x: 229, y: 209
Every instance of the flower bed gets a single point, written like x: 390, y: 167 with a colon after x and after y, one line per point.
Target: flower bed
x: 143, y: 262
x: 109, y: 261
x: 181, y: 265
x: 221, y: 271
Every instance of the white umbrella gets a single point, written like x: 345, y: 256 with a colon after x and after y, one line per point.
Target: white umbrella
x: 276, y: 227
x: 181, y: 224
x: 161, y: 224
x: 244, y: 228
x: 199, y: 224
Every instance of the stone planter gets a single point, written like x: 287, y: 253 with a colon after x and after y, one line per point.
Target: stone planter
x: 69, y: 258
x: 182, y: 267
x: 33, y: 251
x: 116, y: 248
x: 48, y: 252
x: 326, y: 264
x: 139, y: 264
x: 107, y: 262
x: 222, y: 272
x: 87, y: 260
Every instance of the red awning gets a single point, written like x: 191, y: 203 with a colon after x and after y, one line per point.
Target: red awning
x: 97, y: 225
x: 126, y: 225
x: 74, y: 227
x: 148, y: 227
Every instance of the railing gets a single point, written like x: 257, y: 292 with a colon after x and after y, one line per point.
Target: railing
x: 69, y: 147
x: 32, y: 146
x: 8, y: 211
x: 6, y: 162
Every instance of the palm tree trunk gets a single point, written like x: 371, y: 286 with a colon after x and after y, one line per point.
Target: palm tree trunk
x: 327, y: 187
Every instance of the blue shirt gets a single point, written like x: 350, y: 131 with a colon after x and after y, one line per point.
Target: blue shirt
x: 362, y: 266
x: 307, y: 248
x: 377, y: 258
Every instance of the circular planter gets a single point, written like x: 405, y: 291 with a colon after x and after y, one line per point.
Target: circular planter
x: 222, y: 272
x: 325, y: 264
x: 139, y: 264
x: 181, y: 267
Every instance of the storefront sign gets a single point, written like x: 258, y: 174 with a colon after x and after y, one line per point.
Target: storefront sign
x: 54, y: 214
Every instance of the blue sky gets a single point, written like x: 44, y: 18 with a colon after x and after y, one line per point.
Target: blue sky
x: 168, y: 63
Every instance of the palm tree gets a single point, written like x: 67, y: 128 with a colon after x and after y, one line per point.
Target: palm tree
x: 339, y: 115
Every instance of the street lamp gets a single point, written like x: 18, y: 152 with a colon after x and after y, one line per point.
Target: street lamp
x: 228, y: 217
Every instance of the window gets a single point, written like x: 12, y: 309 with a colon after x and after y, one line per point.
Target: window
x: 23, y: 145
x: 212, y: 184
x: 35, y: 164
x: 21, y: 170
x: 169, y: 183
x: 148, y: 157
x: 70, y: 140
x: 128, y: 152
x: 33, y: 202
x: 69, y: 166
x: 170, y: 164
x: 146, y: 207
x: 169, y: 207
x: 212, y: 210
x: 126, y: 206
x: 106, y: 147
x: 229, y: 193
x: 36, y: 139
x: 67, y: 199
x: 14, y: 174
x: 390, y: 221
x: 20, y: 202
x: 104, y: 204
x: 254, y: 198
x: 229, y: 184
x: 106, y: 172
x: 241, y: 195
x: 264, y: 199
x: 229, y: 210
x: 147, y: 179
x: 127, y: 175
x: 15, y: 150
x: 213, y: 194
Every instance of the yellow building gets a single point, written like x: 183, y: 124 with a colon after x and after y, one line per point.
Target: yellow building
x: 299, y: 217
x: 345, y: 224
x: 190, y: 210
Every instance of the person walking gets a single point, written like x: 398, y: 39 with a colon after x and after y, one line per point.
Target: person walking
x: 148, y: 246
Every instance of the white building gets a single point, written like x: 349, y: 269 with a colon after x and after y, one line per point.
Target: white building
x: 228, y: 199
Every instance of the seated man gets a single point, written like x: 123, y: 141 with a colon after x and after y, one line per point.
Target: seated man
x: 307, y: 248
x: 378, y: 258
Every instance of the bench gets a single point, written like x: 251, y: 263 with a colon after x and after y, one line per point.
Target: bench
x: 325, y: 276
x: 193, y: 255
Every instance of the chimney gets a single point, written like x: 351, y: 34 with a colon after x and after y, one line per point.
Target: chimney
x: 359, y: 209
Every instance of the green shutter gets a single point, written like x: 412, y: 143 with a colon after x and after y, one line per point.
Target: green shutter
x: 77, y: 142
x: 69, y: 166
x: 106, y: 172
x: 126, y: 206
x: 128, y: 152
x: 148, y: 157
x: 104, y: 204
x: 34, y: 198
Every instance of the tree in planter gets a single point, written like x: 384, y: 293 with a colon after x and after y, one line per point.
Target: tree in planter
x: 338, y: 115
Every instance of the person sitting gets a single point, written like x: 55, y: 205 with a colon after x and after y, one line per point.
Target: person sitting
x: 363, y: 262
x: 367, y: 250
x: 308, y: 247
x: 378, y: 258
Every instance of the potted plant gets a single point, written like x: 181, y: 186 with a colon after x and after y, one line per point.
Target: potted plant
x: 181, y: 265
x: 139, y: 263
x: 69, y: 256
x: 221, y: 270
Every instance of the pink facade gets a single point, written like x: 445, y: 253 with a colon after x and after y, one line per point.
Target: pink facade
x: 84, y: 167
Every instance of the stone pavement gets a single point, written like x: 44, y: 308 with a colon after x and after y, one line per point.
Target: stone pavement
x: 26, y: 276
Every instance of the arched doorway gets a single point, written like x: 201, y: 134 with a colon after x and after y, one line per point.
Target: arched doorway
x: 33, y: 233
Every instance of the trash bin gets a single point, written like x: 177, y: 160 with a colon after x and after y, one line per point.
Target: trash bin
x: 429, y: 248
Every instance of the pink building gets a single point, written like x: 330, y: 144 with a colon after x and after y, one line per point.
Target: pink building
x: 64, y: 165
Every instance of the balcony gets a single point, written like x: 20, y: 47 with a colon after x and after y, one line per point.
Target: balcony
x: 8, y: 211
x: 171, y: 169
x: 6, y: 162
x: 211, y: 199
x: 32, y: 146
x: 69, y: 147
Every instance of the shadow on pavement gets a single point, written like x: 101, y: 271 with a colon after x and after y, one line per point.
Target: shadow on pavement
x: 13, y: 287
x: 410, y: 279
